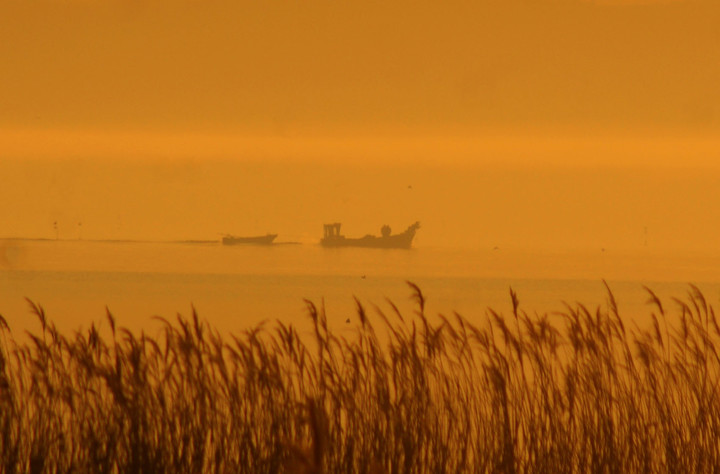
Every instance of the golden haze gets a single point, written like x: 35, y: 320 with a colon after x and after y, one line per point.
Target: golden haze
x: 512, y: 123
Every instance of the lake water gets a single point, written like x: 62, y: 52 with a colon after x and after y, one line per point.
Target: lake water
x: 234, y: 287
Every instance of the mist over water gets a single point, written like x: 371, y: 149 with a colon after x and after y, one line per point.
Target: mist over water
x: 551, y: 233
x: 235, y: 287
x: 555, y: 208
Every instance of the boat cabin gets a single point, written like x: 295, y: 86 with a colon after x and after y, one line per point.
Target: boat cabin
x: 332, y: 230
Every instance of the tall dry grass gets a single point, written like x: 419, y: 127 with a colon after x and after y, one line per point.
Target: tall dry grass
x: 576, y: 392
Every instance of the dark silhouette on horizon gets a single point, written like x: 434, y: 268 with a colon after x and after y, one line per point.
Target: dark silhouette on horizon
x: 387, y: 240
x: 258, y: 240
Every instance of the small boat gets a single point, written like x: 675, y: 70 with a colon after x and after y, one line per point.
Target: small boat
x: 386, y: 240
x: 258, y: 240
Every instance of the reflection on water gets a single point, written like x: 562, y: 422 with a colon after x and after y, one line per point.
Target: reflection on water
x: 237, y: 286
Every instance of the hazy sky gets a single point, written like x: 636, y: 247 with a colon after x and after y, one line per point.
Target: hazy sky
x: 551, y: 122
x: 281, y: 67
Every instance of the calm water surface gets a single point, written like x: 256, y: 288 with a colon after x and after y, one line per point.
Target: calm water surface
x: 234, y: 287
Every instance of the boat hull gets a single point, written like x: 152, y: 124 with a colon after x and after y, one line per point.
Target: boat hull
x: 397, y: 241
x: 257, y: 240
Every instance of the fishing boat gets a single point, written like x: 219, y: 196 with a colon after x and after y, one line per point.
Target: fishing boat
x: 386, y: 240
x: 258, y: 240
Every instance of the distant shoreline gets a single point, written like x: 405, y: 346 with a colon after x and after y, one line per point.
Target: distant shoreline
x: 130, y: 241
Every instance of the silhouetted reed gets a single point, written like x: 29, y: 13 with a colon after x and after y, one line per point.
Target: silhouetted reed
x: 573, y: 392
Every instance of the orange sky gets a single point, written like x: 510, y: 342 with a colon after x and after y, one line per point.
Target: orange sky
x: 281, y: 67
x: 602, y: 116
